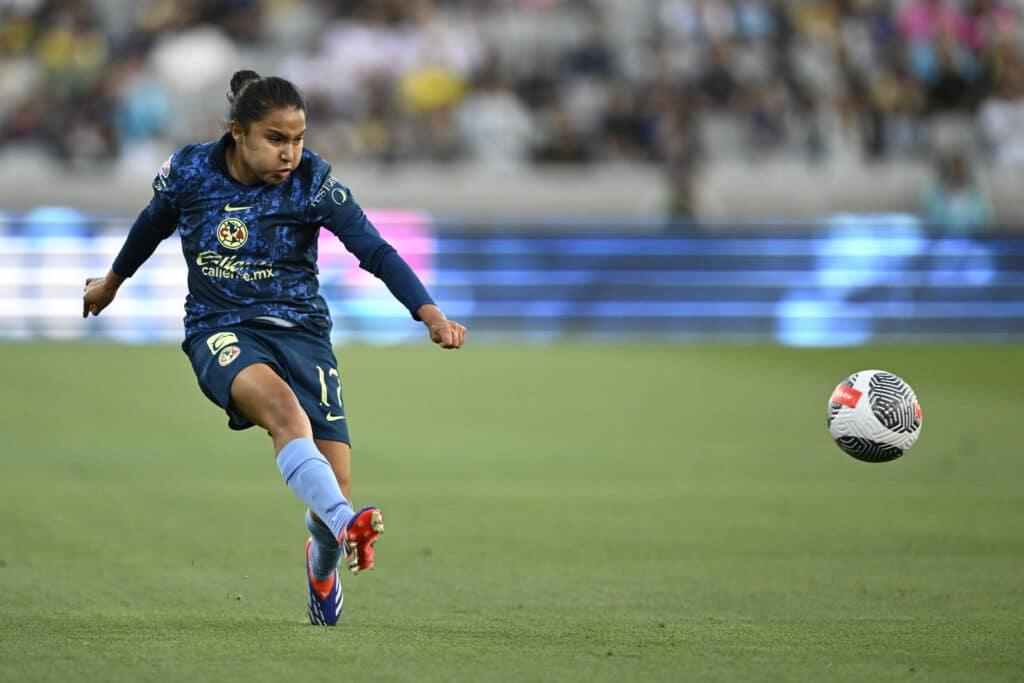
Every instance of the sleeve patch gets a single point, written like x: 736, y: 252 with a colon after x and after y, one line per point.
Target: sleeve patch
x: 332, y: 187
x: 160, y: 183
x: 165, y: 169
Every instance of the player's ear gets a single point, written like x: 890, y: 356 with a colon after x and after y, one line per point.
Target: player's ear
x: 237, y: 132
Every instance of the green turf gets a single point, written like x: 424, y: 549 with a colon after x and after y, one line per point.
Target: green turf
x: 562, y: 513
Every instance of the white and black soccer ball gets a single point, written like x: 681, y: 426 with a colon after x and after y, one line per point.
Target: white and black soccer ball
x: 874, y: 416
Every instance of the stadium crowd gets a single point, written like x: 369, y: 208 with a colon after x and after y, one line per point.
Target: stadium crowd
x: 517, y: 82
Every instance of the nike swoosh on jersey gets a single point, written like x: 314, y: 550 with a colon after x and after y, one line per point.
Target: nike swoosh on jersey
x: 229, y: 208
x: 334, y: 418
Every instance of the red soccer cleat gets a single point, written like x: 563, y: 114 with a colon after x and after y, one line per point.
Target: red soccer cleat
x: 359, y: 537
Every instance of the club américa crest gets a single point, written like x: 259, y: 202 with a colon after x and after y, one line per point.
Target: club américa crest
x: 232, y: 233
x: 228, y: 355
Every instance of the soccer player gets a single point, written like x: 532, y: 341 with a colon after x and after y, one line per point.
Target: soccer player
x: 249, y: 208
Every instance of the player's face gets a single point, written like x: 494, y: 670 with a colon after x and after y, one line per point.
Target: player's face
x: 272, y: 147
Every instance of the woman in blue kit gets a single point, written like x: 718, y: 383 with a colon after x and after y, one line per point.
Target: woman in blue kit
x: 248, y: 208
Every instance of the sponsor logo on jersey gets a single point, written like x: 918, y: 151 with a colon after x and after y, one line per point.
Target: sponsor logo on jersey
x: 846, y: 396
x: 213, y: 264
x: 228, y: 355
x: 218, y: 341
x: 232, y: 233
x: 229, y: 208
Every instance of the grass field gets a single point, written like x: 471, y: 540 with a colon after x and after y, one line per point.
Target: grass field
x: 562, y: 513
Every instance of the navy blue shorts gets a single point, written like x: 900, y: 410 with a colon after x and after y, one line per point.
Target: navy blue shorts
x: 303, y: 359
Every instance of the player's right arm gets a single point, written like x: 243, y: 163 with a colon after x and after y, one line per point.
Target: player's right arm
x: 154, y: 224
x: 99, y: 292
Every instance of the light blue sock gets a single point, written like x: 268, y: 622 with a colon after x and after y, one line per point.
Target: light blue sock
x: 324, y: 552
x: 309, y: 475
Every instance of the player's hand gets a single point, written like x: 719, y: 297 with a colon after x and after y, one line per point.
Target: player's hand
x: 447, y: 333
x: 99, y: 292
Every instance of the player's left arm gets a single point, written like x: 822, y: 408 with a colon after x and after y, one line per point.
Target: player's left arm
x: 448, y: 334
x: 334, y: 208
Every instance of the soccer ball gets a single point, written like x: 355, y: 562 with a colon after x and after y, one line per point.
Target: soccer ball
x: 874, y: 416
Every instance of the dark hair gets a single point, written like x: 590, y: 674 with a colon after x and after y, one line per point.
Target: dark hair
x: 251, y: 96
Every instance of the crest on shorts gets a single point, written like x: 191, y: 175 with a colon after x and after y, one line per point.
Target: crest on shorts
x: 232, y: 233
x: 227, y: 355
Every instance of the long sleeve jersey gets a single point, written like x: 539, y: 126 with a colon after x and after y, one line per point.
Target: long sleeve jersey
x: 251, y: 250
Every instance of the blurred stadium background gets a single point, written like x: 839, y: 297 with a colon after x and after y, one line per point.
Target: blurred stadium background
x: 669, y: 168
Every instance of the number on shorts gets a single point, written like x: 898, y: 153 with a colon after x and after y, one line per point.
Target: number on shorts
x: 323, y: 386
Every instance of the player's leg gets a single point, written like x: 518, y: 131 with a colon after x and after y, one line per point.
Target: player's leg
x: 362, y: 530
x: 325, y: 550
x: 263, y: 397
x: 241, y: 369
x: 260, y: 395
x: 339, y: 454
x: 313, y: 374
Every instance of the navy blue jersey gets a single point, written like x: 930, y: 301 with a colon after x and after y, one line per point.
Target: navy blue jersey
x: 251, y: 249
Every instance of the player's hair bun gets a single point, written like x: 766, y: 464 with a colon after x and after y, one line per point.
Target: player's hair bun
x: 239, y: 81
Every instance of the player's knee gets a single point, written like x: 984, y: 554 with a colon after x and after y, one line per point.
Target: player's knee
x: 282, y: 411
